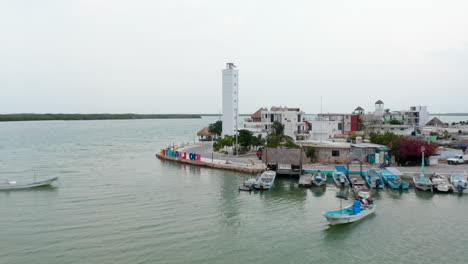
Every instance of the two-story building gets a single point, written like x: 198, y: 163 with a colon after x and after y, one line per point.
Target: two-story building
x: 292, y: 118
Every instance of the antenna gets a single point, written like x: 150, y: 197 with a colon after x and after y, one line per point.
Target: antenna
x: 321, y: 111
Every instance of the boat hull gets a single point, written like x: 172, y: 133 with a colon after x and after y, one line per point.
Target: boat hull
x: 394, y: 181
x: 318, y: 182
x: 459, y: 183
x: 265, y: 181
x: 5, y: 187
x: 422, y: 185
x: 337, y: 176
x: 337, y: 219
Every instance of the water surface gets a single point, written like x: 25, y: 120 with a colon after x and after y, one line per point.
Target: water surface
x: 116, y: 203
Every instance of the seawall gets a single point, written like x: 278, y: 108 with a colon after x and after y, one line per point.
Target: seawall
x: 223, y: 166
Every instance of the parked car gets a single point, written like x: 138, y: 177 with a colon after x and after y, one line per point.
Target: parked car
x: 458, y: 159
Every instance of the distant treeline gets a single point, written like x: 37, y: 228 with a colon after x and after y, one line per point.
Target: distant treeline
x: 450, y: 114
x: 41, y: 117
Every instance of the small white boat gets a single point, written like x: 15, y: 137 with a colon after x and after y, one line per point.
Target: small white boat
x: 250, y: 182
x: 340, y: 179
x: 266, y: 180
x: 422, y: 183
x: 348, y: 214
x: 440, y: 183
x: 319, y: 179
x: 459, y: 182
x: 13, y: 185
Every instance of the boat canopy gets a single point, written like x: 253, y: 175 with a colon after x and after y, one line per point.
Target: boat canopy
x: 341, y: 168
x: 395, y: 171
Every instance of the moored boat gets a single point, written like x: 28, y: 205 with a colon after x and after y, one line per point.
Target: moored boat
x: 340, y: 179
x: 13, y: 185
x: 373, y: 180
x: 422, y: 182
x: 440, y: 183
x: 393, y: 180
x: 459, y: 182
x: 357, y: 182
x: 266, y: 180
x: 318, y: 178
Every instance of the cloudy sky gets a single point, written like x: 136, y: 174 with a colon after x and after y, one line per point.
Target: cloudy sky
x: 150, y: 56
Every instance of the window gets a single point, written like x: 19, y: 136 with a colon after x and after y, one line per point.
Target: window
x: 335, y: 153
x: 340, y: 126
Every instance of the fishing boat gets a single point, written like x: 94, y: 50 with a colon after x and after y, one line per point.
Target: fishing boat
x: 266, y: 180
x: 373, y: 180
x: 13, y: 185
x: 318, y: 178
x: 459, y: 182
x: 422, y: 182
x: 357, y: 182
x: 440, y: 183
x: 394, y: 180
x: 340, y: 179
x: 349, y: 214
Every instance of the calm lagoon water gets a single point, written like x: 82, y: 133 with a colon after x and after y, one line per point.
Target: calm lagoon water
x: 116, y: 203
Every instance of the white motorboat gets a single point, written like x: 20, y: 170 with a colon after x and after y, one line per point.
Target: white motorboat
x: 440, y: 183
x: 459, y: 182
x: 13, y: 185
x: 340, y: 179
x: 266, y: 180
x: 319, y: 179
x: 422, y: 183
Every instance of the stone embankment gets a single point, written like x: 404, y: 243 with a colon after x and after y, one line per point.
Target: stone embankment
x: 217, y: 164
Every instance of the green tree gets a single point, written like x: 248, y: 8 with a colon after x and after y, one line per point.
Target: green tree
x: 258, y: 141
x: 216, y: 127
x: 289, y: 143
x: 383, y: 139
x: 245, y: 139
x: 273, y: 141
x: 277, y: 128
x: 310, y: 153
x: 361, y: 125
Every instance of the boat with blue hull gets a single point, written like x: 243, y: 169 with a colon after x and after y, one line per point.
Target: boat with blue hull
x: 319, y: 179
x: 394, y: 181
x: 349, y: 214
x: 374, y: 180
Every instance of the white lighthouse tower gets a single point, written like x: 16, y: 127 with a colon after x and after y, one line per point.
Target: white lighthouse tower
x: 230, y: 99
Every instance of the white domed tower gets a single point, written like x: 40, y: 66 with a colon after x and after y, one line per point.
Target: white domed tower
x: 379, y: 108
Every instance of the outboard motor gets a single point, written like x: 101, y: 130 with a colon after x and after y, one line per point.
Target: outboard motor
x: 460, y: 187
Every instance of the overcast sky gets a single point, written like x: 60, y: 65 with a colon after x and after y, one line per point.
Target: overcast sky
x: 149, y: 56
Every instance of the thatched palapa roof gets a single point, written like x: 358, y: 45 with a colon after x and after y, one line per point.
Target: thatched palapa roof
x: 436, y: 122
x: 205, y: 132
x: 258, y: 114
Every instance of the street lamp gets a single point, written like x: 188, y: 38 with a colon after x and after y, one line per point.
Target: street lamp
x: 423, y: 148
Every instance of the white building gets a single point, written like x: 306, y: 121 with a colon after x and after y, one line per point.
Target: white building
x: 418, y: 116
x: 324, y: 129
x: 230, y: 99
x: 262, y: 120
x: 291, y: 118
